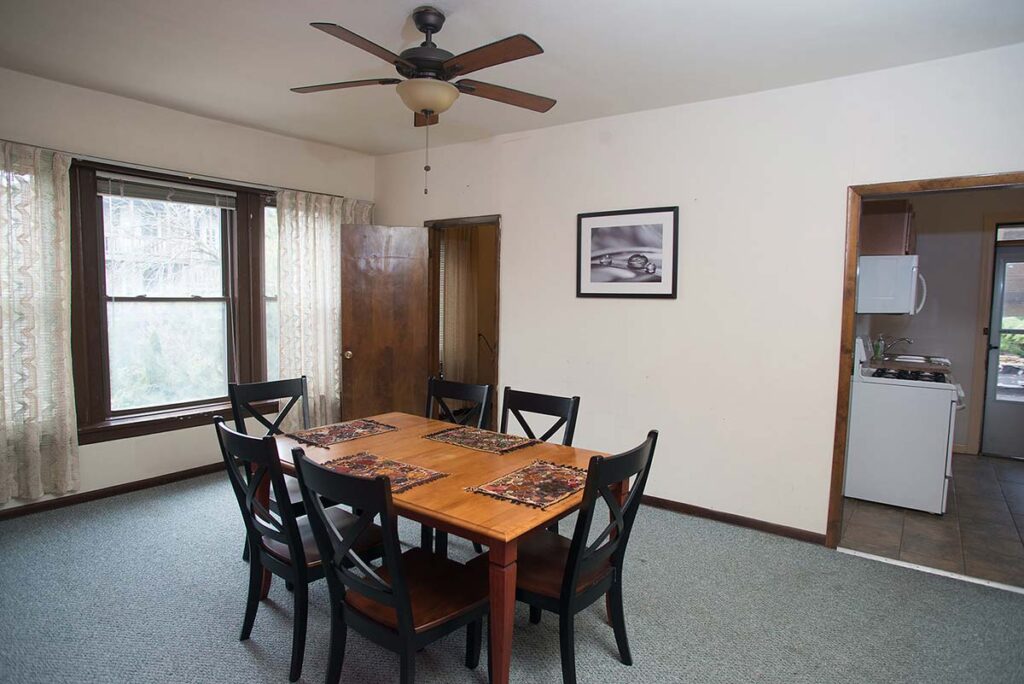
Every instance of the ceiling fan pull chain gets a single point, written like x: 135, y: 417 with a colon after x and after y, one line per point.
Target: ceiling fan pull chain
x: 426, y: 153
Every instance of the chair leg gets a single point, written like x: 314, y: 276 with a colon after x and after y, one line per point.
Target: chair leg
x: 441, y: 543
x: 252, y: 600
x: 618, y: 617
x: 474, y: 634
x: 567, y: 645
x: 336, y: 655
x: 426, y: 537
x: 408, y: 674
x: 299, y: 629
x: 245, y: 550
x: 478, y: 547
x: 289, y: 586
x: 535, y: 614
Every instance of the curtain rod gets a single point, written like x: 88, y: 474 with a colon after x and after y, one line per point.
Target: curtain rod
x: 173, y: 172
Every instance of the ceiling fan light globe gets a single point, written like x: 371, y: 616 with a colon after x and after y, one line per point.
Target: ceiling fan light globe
x: 427, y: 94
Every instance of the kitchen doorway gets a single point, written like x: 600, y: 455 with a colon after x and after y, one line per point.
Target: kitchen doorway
x: 1004, y: 386
x: 979, y: 519
x: 464, y: 292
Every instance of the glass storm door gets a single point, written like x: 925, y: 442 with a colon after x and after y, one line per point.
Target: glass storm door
x: 1003, y: 430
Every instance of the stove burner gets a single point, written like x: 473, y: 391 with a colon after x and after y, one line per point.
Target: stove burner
x: 918, y: 376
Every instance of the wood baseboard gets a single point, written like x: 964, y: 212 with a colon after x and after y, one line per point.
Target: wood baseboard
x: 733, y: 519
x: 72, y: 499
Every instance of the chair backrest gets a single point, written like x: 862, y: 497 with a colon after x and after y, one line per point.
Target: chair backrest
x: 344, y: 567
x: 564, y: 409
x: 253, y: 463
x: 476, y: 414
x: 243, y: 396
x: 610, y: 545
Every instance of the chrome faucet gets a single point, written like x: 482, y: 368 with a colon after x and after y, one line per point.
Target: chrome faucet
x: 888, y: 344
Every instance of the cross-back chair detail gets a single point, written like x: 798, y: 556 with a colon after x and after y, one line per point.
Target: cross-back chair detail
x: 253, y: 465
x: 243, y: 396
x: 359, y: 590
x: 243, y: 399
x: 475, y: 415
x: 591, y: 569
x: 564, y: 409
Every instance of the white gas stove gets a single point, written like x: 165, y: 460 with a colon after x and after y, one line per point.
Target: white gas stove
x: 900, y: 441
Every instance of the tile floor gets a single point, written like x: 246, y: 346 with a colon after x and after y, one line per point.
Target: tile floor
x: 980, y: 535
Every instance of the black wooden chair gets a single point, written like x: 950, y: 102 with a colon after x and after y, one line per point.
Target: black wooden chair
x: 282, y: 543
x: 475, y: 413
x: 244, y: 396
x: 565, y: 576
x: 412, y: 600
x: 565, y: 409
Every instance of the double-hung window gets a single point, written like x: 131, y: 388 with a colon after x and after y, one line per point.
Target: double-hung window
x: 169, y: 304
x: 165, y: 292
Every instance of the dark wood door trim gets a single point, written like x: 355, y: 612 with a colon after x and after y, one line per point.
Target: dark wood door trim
x: 856, y: 194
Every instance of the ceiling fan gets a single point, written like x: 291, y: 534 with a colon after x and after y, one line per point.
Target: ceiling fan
x: 428, y: 69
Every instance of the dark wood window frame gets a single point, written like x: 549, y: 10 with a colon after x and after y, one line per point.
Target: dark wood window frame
x: 243, y: 272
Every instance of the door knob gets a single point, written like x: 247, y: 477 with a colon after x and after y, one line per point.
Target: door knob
x: 347, y: 354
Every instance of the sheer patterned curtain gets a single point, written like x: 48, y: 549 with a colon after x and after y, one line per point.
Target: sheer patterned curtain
x: 38, y: 428
x: 309, y: 295
x: 460, y: 304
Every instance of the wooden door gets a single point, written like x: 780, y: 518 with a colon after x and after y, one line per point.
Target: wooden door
x: 384, y: 320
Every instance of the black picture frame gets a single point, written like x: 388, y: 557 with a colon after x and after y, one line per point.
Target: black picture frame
x: 626, y: 289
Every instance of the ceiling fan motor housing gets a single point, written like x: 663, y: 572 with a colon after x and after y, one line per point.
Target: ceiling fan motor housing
x: 427, y: 57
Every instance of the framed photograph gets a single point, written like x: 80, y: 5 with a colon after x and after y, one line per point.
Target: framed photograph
x: 631, y: 253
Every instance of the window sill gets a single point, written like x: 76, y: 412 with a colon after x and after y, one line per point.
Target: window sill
x: 153, y: 422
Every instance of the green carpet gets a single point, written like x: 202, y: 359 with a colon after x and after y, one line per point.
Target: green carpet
x: 149, y: 587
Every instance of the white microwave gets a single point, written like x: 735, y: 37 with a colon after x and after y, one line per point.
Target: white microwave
x: 890, y: 285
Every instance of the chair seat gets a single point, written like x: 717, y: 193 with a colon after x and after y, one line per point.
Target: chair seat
x: 541, y: 566
x: 294, y: 493
x: 341, y: 518
x: 439, y: 590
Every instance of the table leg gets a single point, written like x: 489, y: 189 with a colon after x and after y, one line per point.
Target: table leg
x: 620, y: 491
x: 503, y: 607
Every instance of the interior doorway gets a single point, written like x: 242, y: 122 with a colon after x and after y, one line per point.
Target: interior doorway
x: 464, y: 300
x: 972, y: 523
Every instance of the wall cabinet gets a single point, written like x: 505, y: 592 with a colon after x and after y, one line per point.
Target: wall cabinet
x: 887, y: 227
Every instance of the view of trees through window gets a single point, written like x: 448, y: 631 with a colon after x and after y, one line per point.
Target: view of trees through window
x: 166, y: 309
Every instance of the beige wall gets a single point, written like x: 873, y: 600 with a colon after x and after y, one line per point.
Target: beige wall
x: 950, y: 232
x: 40, y: 112
x: 740, y: 371
x: 50, y: 114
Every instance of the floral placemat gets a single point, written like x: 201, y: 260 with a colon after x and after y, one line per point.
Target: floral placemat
x: 341, y: 432
x: 480, y: 440
x: 403, y: 475
x: 540, y: 484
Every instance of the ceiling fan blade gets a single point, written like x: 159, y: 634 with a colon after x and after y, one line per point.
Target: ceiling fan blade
x: 505, y: 50
x: 360, y: 42
x: 518, y: 98
x: 419, y: 119
x: 346, y: 84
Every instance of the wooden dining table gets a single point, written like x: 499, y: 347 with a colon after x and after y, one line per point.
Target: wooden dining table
x: 444, y: 504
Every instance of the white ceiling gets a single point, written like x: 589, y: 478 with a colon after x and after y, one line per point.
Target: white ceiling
x: 236, y: 59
